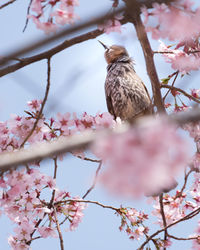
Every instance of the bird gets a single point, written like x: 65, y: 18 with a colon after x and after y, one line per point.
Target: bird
x: 126, y: 95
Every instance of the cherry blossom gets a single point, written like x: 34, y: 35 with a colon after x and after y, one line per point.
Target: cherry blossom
x: 179, y: 59
x: 47, y: 232
x: 179, y: 15
x: 134, y: 166
x: 61, y: 13
x: 112, y: 25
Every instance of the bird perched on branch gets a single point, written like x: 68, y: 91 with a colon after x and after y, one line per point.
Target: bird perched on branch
x: 126, y: 95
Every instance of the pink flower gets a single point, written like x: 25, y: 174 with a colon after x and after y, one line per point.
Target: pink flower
x: 64, y: 16
x: 35, y: 105
x: 135, y: 165
x: 47, y: 27
x: 64, y: 122
x: 104, y: 120
x: 195, y: 93
x: 113, y: 25
x: 176, y: 22
x: 179, y: 59
x: 24, y: 230
x: 36, y: 6
x: 47, y: 232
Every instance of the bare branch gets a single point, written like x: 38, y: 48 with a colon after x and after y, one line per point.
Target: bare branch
x: 54, y: 176
x: 181, y: 91
x: 38, y: 43
x: 43, y: 104
x: 49, y: 53
x: 6, y: 4
x: 134, y: 17
x: 87, y: 159
x: 185, y: 180
x: 77, y: 142
x: 59, y: 230
x: 163, y: 216
x: 190, y: 238
x: 27, y: 19
x: 176, y: 75
x: 94, y: 182
x: 187, y: 217
x: 67, y: 31
x: 90, y: 202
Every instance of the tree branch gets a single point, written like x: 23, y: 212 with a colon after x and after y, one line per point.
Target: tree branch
x: 181, y: 91
x: 81, y: 141
x: 6, y: 4
x: 94, y: 181
x: 90, y: 202
x: 43, y: 104
x: 38, y: 43
x: 51, y: 52
x: 187, y: 217
x: 44, y: 41
x: 27, y: 19
x: 59, y: 230
x: 54, y: 176
x: 177, y: 238
x: 163, y: 216
x: 134, y: 17
x: 176, y: 75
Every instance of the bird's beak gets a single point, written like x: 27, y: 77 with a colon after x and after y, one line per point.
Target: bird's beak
x: 105, y: 47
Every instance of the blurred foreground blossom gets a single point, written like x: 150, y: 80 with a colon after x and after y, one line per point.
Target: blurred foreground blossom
x: 144, y: 159
x: 178, y: 21
x: 179, y: 59
x: 112, y: 25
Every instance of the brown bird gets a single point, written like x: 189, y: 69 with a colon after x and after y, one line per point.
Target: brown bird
x: 126, y: 95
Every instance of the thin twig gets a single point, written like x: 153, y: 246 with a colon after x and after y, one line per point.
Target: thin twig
x: 90, y: 202
x: 38, y: 43
x: 163, y: 216
x: 181, y: 91
x: 176, y: 75
x: 87, y: 159
x: 179, y: 238
x: 6, y: 4
x: 171, y: 52
x: 49, y: 53
x: 187, y: 217
x: 43, y: 103
x: 54, y: 176
x: 185, y: 180
x: 27, y: 19
x: 94, y: 181
x: 59, y: 230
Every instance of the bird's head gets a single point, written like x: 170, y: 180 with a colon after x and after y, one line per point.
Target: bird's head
x: 114, y: 52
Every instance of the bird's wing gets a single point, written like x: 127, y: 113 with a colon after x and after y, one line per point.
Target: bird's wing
x: 110, y: 106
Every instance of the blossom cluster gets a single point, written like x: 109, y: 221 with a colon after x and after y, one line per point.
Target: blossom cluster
x: 14, y: 131
x: 112, y: 25
x: 60, y: 12
x: 181, y: 60
x: 22, y: 201
x: 22, y: 198
x: 178, y: 22
x: 132, y: 222
x: 142, y: 160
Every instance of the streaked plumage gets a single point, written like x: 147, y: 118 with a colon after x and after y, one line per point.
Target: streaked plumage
x: 126, y: 95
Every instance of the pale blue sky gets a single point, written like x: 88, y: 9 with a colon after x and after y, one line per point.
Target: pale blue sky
x: 85, y: 63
